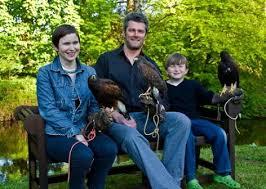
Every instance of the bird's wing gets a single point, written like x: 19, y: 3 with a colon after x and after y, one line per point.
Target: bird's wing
x: 151, y: 74
x: 106, y: 91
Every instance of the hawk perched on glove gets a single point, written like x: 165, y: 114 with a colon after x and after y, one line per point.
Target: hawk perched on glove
x: 156, y: 87
x: 150, y: 74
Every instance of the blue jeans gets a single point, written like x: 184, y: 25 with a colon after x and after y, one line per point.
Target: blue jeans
x: 96, y: 159
x: 215, y: 136
x: 174, y: 130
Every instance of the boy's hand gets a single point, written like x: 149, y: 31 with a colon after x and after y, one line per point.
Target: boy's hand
x: 238, y: 95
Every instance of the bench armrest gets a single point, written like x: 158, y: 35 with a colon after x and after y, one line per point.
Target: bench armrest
x: 32, y: 121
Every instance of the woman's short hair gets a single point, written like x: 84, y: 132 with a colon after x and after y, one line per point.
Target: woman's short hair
x: 61, y: 31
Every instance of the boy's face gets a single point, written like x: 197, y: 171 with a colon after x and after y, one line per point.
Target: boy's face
x: 177, y: 71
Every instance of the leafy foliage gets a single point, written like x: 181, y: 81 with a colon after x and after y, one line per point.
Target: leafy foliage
x: 100, y: 27
x: 14, y: 93
x: 197, y: 29
x: 29, y: 24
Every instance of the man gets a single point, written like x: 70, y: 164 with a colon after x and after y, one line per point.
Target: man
x: 119, y: 66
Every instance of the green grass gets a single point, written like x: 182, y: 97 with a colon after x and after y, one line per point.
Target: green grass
x: 250, y: 167
x: 250, y: 171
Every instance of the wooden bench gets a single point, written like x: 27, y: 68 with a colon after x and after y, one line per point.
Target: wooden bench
x: 38, y: 160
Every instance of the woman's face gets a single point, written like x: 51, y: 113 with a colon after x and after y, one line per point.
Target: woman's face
x: 68, y: 48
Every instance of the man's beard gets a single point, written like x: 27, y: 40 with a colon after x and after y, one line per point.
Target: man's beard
x: 129, y: 46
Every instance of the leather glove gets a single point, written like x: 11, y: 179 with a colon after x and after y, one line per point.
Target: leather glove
x: 153, y: 106
x: 100, y: 121
x: 160, y: 111
x: 236, y: 96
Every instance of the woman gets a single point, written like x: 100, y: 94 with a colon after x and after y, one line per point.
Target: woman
x: 65, y: 101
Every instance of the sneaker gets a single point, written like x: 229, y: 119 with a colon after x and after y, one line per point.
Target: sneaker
x: 226, y: 180
x: 194, y: 184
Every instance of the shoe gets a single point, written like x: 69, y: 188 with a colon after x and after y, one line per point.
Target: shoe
x: 194, y: 184
x: 226, y: 180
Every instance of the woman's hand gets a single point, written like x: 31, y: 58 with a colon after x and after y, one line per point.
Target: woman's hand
x: 81, y: 139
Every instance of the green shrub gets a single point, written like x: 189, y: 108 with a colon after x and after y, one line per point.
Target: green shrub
x: 16, y: 92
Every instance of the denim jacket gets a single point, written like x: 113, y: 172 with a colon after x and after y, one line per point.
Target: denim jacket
x: 57, y: 97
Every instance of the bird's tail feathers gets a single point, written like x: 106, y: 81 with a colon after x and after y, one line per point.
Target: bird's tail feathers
x: 156, y: 93
x: 121, y: 106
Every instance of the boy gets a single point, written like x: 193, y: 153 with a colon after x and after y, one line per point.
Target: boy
x: 184, y: 96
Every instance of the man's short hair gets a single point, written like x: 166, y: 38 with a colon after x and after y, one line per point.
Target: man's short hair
x: 176, y: 59
x: 136, y: 17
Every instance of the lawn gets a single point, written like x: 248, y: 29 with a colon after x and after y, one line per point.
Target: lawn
x: 250, y: 172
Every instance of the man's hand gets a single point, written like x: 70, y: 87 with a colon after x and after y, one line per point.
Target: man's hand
x: 160, y: 111
x: 81, y: 139
x: 153, y: 105
x: 119, y: 118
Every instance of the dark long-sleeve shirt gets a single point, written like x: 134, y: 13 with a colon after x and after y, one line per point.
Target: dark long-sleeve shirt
x: 187, y: 96
x: 115, y: 65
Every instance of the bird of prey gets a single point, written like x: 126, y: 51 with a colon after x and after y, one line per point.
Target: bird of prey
x: 108, y: 94
x: 228, y: 73
x: 156, y: 86
x: 151, y: 75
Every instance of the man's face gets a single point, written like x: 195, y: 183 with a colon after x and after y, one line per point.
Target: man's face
x: 135, y: 35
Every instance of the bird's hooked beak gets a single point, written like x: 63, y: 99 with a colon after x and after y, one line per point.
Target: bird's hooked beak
x: 93, y: 78
x: 135, y: 59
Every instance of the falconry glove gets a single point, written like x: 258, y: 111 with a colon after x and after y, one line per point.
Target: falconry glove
x: 152, y: 106
x: 236, y: 96
x: 99, y: 121
x: 236, y: 99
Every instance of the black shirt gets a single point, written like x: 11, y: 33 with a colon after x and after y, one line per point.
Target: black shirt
x: 187, y: 96
x: 115, y: 65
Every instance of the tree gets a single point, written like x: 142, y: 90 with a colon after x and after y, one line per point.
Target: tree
x: 197, y: 29
x: 29, y: 24
x: 100, y: 27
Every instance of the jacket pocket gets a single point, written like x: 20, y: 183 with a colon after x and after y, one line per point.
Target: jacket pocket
x: 61, y: 104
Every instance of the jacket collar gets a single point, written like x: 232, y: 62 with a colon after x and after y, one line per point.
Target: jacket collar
x: 56, y: 66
